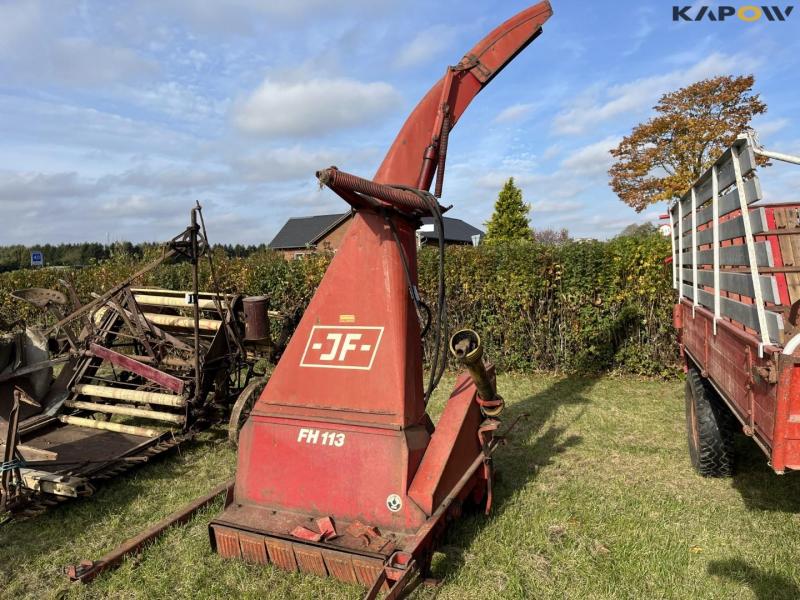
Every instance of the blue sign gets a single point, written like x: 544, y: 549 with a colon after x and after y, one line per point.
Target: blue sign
x: 37, y: 259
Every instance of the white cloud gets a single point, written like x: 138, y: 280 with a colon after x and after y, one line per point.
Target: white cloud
x: 552, y: 206
x: 241, y: 16
x: 515, y: 112
x: 552, y: 151
x: 425, y: 46
x: 178, y: 100
x: 21, y: 186
x: 81, y: 61
x: 35, y: 48
x: 18, y: 21
x: 591, y: 159
x: 310, y: 107
x: 177, y: 179
x: 769, y: 127
x: 636, y: 96
x: 298, y: 162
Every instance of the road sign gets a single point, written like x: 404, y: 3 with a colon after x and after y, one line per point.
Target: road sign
x: 37, y: 258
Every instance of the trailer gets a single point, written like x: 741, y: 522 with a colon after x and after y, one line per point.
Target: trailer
x: 736, y: 270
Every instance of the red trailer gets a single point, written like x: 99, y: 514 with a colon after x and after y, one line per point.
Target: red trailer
x: 736, y: 267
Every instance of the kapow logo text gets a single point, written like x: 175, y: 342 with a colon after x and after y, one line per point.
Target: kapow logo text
x: 746, y: 13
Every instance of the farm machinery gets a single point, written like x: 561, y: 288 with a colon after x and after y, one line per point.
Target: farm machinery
x: 341, y: 472
x: 736, y: 269
x: 140, y: 370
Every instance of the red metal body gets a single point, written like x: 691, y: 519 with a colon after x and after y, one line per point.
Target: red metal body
x: 340, y: 430
x: 763, y: 392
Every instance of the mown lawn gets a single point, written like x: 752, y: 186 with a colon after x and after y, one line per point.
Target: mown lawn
x: 596, y: 500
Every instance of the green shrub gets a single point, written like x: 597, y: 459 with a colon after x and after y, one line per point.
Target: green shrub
x: 576, y: 307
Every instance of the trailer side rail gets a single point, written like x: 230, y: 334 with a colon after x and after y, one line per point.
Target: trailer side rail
x: 718, y: 263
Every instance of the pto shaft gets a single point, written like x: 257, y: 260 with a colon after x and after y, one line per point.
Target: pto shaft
x: 466, y: 346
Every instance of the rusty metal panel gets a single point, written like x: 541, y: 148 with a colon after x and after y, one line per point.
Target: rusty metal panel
x: 366, y: 570
x: 129, y: 364
x: 253, y: 548
x: 227, y: 541
x: 256, y: 321
x: 340, y: 565
x: 281, y: 554
x: 309, y: 560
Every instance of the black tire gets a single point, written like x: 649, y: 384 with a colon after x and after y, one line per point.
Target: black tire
x: 709, y: 428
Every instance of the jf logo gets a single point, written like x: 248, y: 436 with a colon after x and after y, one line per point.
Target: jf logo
x: 747, y: 13
x: 342, y: 347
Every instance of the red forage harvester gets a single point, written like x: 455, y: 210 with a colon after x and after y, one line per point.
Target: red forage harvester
x: 341, y: 471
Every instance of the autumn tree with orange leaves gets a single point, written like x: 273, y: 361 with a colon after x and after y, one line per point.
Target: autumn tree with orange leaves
x: 661, y: 158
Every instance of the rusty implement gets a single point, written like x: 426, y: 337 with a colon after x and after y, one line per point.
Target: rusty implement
x: 86, y: 570
x: 341, y: 431
x: 142, y: 370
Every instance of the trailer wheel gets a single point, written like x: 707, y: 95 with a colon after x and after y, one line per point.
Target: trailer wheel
x: 709, y: 428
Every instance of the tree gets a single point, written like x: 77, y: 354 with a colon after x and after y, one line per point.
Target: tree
x: 551, y: 237
x: 638, y: 230
x: 661, y: 158
x: 510, y: 221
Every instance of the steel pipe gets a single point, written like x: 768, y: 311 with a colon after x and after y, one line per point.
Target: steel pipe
x: 396, y: 198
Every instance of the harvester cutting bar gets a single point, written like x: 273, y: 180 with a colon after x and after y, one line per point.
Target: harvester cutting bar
x: 113, y: 409
x: 109, y: 426
x: 400, y: 199
x: 142, y: 397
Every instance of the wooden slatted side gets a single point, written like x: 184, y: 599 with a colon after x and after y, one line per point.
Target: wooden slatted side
x: 736, y: 283
x: 745, y: 314
x: 788, y: 218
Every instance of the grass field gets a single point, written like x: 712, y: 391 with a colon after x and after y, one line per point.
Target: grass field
x: 596, y: 500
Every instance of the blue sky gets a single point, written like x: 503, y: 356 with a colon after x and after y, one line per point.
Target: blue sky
x: 115, y: 116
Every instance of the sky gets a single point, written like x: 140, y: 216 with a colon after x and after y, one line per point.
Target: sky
x: 115, y: 117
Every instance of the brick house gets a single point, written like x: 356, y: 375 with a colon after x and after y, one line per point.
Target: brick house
x: 301, y: 235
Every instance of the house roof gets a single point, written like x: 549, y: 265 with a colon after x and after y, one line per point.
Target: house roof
x: 455, y: 230
x: 299, y: 232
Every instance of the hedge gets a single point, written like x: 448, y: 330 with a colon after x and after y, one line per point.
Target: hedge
x: 582, y: 306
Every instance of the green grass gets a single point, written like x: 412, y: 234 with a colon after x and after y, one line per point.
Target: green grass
x: 596, y: 500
